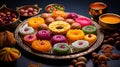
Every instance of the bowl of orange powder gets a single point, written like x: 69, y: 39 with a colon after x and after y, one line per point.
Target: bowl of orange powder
x: 109, y: 21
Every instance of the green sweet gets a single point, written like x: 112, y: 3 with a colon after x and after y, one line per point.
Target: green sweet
x: 89, y: 29
x: 61, y: 48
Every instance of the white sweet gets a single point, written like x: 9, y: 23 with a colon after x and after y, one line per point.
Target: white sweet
x: 24, y: 30
x: 80, y: 45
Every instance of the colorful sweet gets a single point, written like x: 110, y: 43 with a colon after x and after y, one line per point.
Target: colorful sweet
x: 91, y: 38
x: 59, y: 27
x: 59, y: 18
x: 41, y: 45
x: 49, y: 20
x: 8, y: 54
x: 89, y: 29
x: 72, y: 16
x: 10, y: 39
x: 29, y: 38
x: 61, y: 48
x: 70, y: 21
x: 75, y: 26
x: 24, y: 30
x: 59, y: 13
x: 80, y: 45
x: 35, y: 22
x: 73, y: 35
x: 43, y: 27
x: 46, y: 15
x: 43, y: 35
x: 58, y: 39
x: 7, y: 39
x: 83, y: 21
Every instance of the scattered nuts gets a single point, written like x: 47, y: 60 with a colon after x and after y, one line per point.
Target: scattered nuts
x: 115, y: 56
x: 82, y: 59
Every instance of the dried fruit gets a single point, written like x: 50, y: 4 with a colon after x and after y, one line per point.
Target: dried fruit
x: 115, y: 56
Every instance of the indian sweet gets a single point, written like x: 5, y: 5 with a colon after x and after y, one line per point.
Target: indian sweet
x: 83, y: 21
x: 9, y: 54
x: 35, y: 22
x: 61, y: 48
x: 7, y: 39
x: 41, y: 45
x: 43, y: 34
x: 91, y: 38
x: 45, y: 15
x: 73, y: 35
x: 59, y: 13
x: 75, y: 26
x: 80, y: 45
x: 72, y: 15
x: 49, y: 20
x: 89, y: 29
x: 58, y: 39
x: 70, y: 21
x: 29, y: 38
x: 25, y: 29
x: 59, y: 27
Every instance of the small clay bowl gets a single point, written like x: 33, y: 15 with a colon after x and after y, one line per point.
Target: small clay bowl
x: 109, y: 21
x: 27, y: 11
x: 53, y: 7
x: 9, y: 19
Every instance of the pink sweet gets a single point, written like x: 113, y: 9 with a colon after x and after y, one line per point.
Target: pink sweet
x: 83, y: 21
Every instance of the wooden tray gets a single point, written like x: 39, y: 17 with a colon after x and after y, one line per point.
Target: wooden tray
x: 22, y: 44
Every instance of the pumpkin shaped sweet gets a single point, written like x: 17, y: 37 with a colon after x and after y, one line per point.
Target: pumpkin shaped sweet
x: 35, y: 22
x: 41, y: 45
x: 8, y: 54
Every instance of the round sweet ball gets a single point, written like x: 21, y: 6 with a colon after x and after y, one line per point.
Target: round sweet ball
x: 75, y: 26
x: 59, y: 18
x: 45, y: 15
x: 70, y: 21
x: 43, y: 27
x: 48, y: 20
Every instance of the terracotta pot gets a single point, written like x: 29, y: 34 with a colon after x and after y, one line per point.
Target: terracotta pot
x: 109, y: 25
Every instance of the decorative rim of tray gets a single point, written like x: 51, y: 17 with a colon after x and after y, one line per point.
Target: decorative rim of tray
x: 98, y: 42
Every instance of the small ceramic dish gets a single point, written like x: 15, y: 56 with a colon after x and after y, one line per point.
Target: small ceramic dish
x: 28, y: 10
x: 109, y: 21
x: 8, y: 18
x: 53, y: 7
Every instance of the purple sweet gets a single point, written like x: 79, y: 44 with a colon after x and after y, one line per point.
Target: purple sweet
x: 43, y: 35
x: 58, y: 39
x: 72, y: 15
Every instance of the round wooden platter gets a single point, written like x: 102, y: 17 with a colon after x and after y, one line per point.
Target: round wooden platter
x: 95, y: 45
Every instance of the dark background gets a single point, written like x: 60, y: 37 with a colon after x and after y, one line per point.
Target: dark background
x: 79, y: 6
